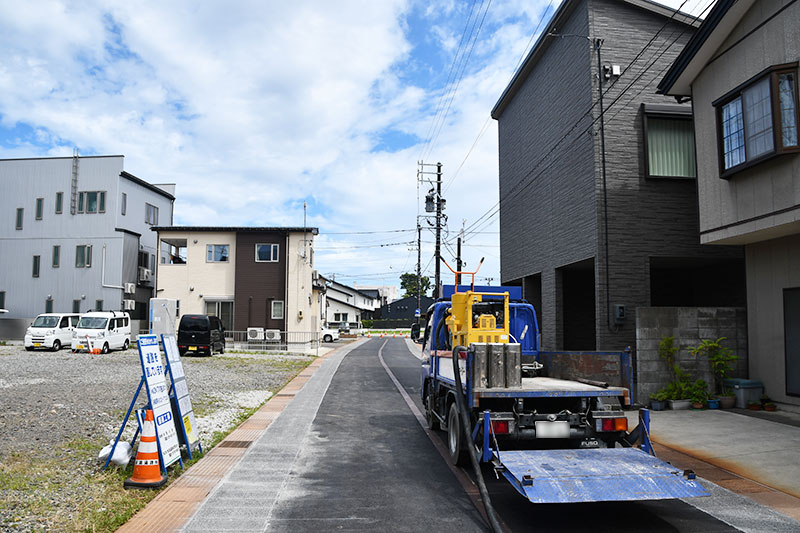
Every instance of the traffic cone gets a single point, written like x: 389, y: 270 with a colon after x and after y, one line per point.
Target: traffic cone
x: 147, y: 469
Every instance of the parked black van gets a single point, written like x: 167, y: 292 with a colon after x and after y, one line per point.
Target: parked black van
x: 201, y: 334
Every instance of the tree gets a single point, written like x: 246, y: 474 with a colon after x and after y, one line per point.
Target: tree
x: 408, y: 282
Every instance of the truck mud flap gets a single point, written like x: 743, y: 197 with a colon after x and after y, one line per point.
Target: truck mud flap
x: 594, y: 475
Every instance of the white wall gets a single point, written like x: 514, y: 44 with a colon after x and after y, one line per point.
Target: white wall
x: 198, y: 280
x: 299, y: 292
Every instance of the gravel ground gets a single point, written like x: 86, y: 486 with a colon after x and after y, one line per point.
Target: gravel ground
x: 66, y: 406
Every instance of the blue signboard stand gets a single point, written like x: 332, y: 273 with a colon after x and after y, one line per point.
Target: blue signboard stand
x: 157, y: 401
x: 180, y: 389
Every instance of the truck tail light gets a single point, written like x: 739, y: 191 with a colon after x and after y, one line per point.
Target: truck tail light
x: 612, y: 424
x: 500, y: 427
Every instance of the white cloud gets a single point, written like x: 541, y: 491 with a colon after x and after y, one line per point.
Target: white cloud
x: 252, y: 108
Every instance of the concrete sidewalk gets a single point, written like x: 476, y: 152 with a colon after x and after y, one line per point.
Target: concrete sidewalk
x: 751, y: 456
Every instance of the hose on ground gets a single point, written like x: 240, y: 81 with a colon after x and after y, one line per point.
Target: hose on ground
x: 494, y: 522
x: 446, y: 344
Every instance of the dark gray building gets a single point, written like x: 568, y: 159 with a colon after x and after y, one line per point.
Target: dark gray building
x: 600, y: 217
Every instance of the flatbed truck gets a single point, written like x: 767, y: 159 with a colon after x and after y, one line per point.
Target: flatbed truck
x: 554, y: 440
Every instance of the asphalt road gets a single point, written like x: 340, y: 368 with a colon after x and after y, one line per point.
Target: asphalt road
x: 366, y: 464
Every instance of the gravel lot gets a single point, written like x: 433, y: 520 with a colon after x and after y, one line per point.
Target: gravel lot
x: 59, y: 409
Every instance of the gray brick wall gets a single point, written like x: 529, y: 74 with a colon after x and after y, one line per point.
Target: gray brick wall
x: 689, y: 326
x: 558, y: 219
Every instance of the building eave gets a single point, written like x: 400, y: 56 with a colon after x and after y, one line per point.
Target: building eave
x: 231, y: 229
x: 700, y: 49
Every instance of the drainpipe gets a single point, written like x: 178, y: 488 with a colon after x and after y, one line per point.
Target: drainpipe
x: 103, y: 274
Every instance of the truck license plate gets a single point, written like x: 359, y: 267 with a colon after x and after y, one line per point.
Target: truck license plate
x: 552, y: 430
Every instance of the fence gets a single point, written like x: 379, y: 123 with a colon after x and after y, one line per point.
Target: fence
x: 283, y: 341
x: 273, y: 341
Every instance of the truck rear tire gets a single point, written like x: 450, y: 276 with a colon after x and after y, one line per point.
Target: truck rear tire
x: 456, y: 444
x: 430, y: 418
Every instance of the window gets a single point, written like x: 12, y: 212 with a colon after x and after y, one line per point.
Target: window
x: 173, y: 252
x: 123, y: 204
x: 150, y: 214
x: 56, y: 256
x: 2, y: 299
x: 36, y: 261
x: 92, y: 202
x: 758, y: 119
x: 39, y: 208
x: 223, y: 310
x: 266, y: 253
x: 98, y: 305
x: 48, y: 307
x: 83, y: 256
x: 217, y: 253
x: 76, y: 306
x: 20, y: 212
x: 277, y: 309
x: 668, y: 141
x: 59, y: 203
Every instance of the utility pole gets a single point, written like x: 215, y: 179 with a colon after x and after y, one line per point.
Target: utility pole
x: 439, y: 202
x: 434, y: 203
x: 419, y: 268
x: 458, y: 261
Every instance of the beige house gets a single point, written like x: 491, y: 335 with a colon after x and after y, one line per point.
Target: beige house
x: 740, y: 71
x: 250, y: 277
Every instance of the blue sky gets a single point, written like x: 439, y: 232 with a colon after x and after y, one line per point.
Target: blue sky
x: 252, y: 108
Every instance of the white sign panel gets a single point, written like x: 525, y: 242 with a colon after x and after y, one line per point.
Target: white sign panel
x: 185, y: 414
x: 157, y: 392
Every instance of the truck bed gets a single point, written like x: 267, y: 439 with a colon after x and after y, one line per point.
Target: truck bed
x: 550, y: 387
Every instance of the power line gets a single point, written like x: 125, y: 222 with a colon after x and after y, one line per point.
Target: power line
x: 522, y: 184
x: 427, y: 150
x: 366, y: 232
x: 489, y: 118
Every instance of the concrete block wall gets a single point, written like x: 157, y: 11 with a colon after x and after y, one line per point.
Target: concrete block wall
x: 689, y: 326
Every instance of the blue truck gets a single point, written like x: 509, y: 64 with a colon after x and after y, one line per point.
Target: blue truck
x: 554, y: 440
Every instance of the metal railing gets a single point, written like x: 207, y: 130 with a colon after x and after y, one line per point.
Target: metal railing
x: 274, y: 341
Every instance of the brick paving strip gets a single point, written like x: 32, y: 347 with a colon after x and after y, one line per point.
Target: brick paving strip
x: 175, y: 505
x: 767, y: 496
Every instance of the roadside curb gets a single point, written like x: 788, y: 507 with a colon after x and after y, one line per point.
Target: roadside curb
x: 706, y: 468
x: 172, y: 509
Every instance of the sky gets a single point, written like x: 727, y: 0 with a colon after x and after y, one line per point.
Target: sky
x: 257, y: 108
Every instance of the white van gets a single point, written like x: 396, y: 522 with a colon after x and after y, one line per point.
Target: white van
x: 51, y: 331
x: 103, y: 330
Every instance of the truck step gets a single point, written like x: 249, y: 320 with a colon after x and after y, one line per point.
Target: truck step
x: 593, y: 475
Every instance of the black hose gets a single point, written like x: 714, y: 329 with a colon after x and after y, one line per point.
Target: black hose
x: 473, y: 456
x: 446, y: 343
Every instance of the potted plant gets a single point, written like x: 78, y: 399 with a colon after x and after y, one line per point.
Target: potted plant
x: 698, y: 394
x: 769, y: 406
x: 677, y: 391
x: 658, y: 400
x: 713, y: 403
x: 754, y: 406
x: 721, y: 359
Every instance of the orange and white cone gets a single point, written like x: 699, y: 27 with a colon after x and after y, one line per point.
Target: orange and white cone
x: 147, y: 469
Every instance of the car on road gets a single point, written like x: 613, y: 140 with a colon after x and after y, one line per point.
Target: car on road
x: 103, y: 330
x: 329, y: 334
x: 201, y: 334
x: 51, y: 331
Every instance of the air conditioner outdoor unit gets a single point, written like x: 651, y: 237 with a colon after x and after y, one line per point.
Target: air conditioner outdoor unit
x: 128, y: 305
x: 130, y: 288
x: 255, y: 334
x: 145, y: 274
x: 272, y: 334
